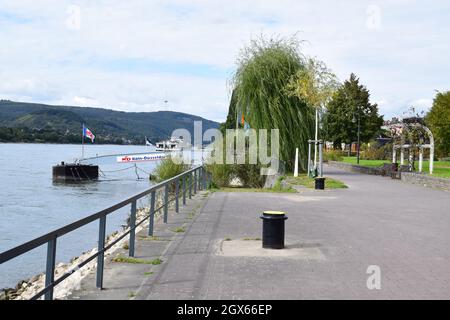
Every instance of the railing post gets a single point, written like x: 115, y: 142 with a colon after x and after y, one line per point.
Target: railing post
x: 152, y: 213
x: 177, y: 195
x: 184, y: 190
x: 50, y: 268
x: 132, y: 229
x: 195, y: 181
x: 166, y: 200
x: 101, y: 246
x: 190, y: 185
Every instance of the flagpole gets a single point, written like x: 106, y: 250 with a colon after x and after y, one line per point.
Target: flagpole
x: 82, y: 143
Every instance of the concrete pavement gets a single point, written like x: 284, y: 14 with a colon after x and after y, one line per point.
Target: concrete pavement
x: 332, y: 238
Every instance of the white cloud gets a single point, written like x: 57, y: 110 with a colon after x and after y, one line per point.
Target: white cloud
x: 84, y: 101
x: 46, y: 59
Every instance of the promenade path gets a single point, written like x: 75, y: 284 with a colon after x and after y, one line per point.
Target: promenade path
x: 332, y: 237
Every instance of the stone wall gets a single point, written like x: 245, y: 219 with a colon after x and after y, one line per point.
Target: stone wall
x: 426, y: 181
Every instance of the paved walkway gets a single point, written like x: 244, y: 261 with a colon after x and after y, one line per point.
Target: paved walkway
x: 332, y: 237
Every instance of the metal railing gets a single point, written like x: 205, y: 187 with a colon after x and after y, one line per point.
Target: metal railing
x: 191, y: 181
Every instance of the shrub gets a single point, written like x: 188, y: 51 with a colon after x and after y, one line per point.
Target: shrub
x: 332, y: 155
x: 249, y: 174
x: 220, y: 174
x: 278, y: 186
x: 376, y: 152
x: 167, y: 169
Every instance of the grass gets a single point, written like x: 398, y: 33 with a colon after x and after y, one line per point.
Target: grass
x: 179, y: 230
x: 242, y: 189
x: 191, y: 215
x: 304, y: 180
x: 148, y: 273
x: 251, y: 239
x: 441, y: 168
x: 366, y: 163
x: 122, y: 259
x: 227, y: 239
x: 131, y: 294
x: 441, y: 172
x: 152, y: 238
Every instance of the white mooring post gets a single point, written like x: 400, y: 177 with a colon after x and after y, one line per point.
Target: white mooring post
x: 309, y: 158
x: 296, y: 163
x: 321, y: 158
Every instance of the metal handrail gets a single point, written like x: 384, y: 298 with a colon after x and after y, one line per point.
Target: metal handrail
x: 51, y: 237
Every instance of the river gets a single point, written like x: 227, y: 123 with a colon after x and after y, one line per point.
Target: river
x: 31, y: 204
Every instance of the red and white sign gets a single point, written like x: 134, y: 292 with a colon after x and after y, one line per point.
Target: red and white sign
x: 141, y: 157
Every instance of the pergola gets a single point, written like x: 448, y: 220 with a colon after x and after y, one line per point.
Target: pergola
x: 411, y: 133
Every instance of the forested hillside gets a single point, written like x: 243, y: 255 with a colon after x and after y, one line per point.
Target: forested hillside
x: 30, y: 122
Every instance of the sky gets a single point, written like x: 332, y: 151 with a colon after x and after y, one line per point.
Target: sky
x: 135, y: 55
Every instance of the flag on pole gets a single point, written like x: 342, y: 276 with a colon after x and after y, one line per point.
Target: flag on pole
x: 88, y: 133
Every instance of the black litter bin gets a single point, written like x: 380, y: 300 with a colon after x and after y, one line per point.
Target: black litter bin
x: 273, y: 229
x: 319, y: 183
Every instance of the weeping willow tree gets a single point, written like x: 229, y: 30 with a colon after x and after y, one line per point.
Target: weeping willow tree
x: 260, y: 90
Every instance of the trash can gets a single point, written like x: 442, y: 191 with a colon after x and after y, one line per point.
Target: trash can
x: 319, y: 183
x: 273, y: 229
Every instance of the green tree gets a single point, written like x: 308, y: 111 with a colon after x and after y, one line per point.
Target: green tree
x: 349, y: 102
x: 315, y: 84
x: 265, y: 68
x: 230, y: 122
x: 438, y: 121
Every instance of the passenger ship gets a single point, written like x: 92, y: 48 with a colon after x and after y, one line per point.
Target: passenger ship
x: 173, y: 144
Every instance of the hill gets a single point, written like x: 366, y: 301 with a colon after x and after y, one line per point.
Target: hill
x: 31, y: 122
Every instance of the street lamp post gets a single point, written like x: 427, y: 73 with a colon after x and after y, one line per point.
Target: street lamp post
x: 359, y: 133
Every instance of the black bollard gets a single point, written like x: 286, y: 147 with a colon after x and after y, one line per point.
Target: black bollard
x: 273, y: 229
x: 319, y: 183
